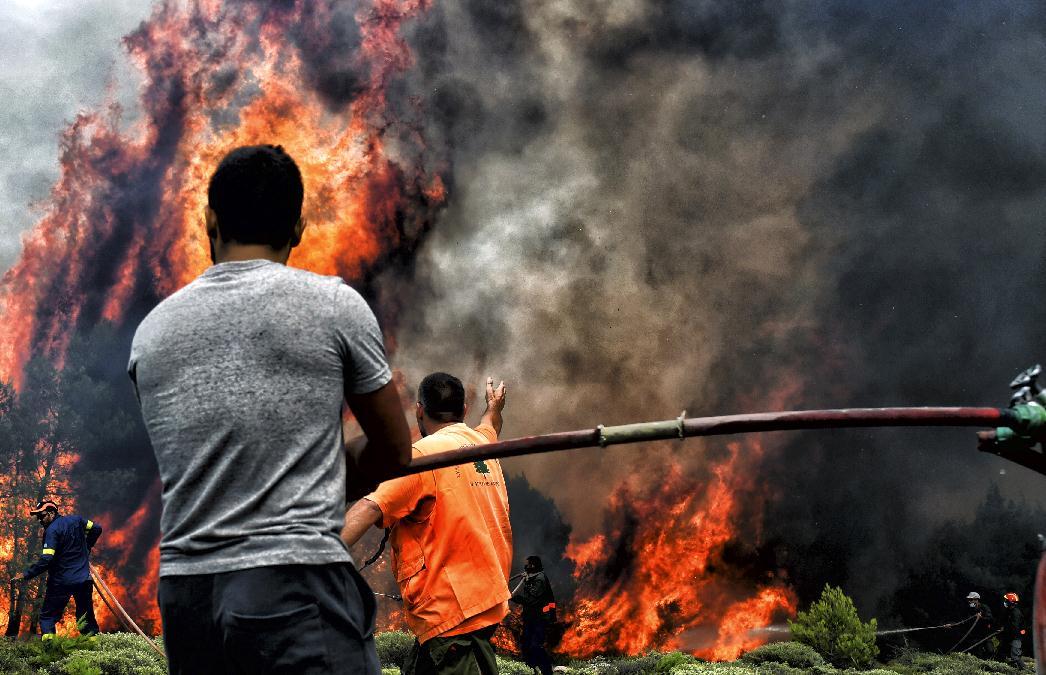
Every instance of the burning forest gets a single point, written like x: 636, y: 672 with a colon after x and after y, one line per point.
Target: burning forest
x: 624, y: 210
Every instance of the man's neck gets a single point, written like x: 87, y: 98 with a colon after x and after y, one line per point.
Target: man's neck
x: 432, y: 426
x: 233, y: 252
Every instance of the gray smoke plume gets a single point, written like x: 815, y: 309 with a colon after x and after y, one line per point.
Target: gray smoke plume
x: 58, y: 61
x: 725, y: 206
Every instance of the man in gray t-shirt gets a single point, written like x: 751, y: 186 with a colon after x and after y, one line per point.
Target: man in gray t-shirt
x: 242, y: 376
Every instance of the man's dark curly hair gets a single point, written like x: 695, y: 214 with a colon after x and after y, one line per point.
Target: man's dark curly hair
x: 257, y: 194
x: 443, y: 397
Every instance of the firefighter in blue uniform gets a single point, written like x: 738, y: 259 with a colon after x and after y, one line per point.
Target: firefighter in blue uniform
x: 67, y: 544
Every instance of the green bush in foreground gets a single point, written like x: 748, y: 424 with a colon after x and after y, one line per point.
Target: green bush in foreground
x: 508, y: 666
x: 15, y: 656
x: 832, y: 627
x: 637, y: 665
x: 672, y: 660
x: 917, y: 663
x: 795, y: 654
x: 711, y: 669
x: 393, y: 647
x: 115, y: 654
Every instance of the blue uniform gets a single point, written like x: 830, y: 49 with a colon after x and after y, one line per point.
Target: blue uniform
x: 67, y: 544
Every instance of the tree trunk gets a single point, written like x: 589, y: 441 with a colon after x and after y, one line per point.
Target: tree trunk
x: 14, y: 614
x: 34, y: 616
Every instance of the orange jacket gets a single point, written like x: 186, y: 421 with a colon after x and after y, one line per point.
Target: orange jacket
x: 451, y: 539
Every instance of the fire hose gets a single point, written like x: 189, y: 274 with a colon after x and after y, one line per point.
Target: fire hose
x: 1015, y: 430
x: 953, y: 624
x: 117, y: 609
x: 981, y: 641
x: 1019, y: 423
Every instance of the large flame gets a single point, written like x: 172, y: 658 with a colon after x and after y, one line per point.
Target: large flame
x: 122, y: 229
x: 123, y: 225
x: 651, y: 577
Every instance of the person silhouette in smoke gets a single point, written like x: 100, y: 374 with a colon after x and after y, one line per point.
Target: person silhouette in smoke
x: 1012, y: 625
x: 979, y: 639
x: 65, y: 557
x: 242, y: 376
x: 534, y: 593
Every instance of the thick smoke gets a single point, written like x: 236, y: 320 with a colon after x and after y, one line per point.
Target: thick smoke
x: 56, y: 63
x: 728, y: 206
x: 658, y: 205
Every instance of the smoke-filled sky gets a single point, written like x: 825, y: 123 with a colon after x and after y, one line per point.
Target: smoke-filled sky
x: 60, y: 57
x: 715, y: 206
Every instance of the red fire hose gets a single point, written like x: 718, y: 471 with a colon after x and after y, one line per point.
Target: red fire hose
x: 683, y: 427
x: 118, y: 610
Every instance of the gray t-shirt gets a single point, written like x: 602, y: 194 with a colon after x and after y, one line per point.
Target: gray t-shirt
x: 241, y: 377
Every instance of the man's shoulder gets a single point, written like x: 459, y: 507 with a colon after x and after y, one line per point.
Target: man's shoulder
x: 307, y: 278
x: 166, y: 307
x: 448, y: 438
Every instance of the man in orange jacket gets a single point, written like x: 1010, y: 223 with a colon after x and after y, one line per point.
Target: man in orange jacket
x: 450, y: 535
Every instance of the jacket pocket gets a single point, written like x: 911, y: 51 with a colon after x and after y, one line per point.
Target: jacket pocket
x: 408, y: 556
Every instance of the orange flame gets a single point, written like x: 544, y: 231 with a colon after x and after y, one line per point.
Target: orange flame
x: 651, y: 577
x: 123, y: 225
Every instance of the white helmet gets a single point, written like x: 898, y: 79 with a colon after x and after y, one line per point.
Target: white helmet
x: 974, y: 595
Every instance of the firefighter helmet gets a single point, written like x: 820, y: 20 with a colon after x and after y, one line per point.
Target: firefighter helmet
x: 43, y: 506
x: 1011, y: 597
x: 974, y: 595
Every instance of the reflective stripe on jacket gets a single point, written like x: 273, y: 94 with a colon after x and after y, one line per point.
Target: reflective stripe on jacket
x: 64, y: 553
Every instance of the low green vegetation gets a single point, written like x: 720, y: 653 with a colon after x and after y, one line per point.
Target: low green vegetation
x: 105, y: 654
x: 794, y: 654
x: 126, y: 654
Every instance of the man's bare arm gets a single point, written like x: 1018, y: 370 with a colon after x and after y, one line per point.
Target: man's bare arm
x: 387, y: 450
x: 363, y: 515
x: 495, y: 404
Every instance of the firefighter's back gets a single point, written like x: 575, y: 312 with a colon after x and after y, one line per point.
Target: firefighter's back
x: 66, y: 538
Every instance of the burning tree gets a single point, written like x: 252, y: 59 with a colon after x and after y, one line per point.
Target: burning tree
x: 121, y: 230
x: 37, y: 446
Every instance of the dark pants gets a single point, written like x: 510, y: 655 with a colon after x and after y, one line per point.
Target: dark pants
x: 57, y: 597
x: 466, y: 654
x: 533, y: 646
x: 290, y: 619
x: 1011, y: 647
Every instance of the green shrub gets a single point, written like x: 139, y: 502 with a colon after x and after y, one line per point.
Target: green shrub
x: 672, y: 659
x: 52, y: 650
x: 390, y: 671
x: 637, y: 665
x: 795, y: 654
x: 115, y: 654
x: 601, y: 665
x: 771, y: 668
x: 117, y: 661
x: 393, y: 647
x: 832, y: 627
x: 15, y: 656
x: 688, y: 669
x: 507, y: 666
x: 78, y: 664
x: 914, y: 663
x: 696, y: 668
